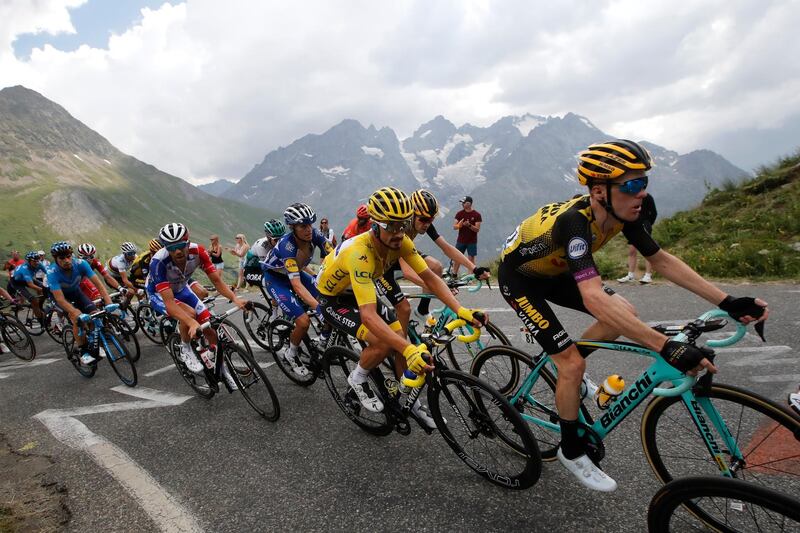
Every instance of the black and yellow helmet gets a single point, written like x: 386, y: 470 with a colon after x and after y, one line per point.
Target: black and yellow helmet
x: 611, y: 159
x: 154, y: 245
x: 389, y: 204
x: 425, y: 204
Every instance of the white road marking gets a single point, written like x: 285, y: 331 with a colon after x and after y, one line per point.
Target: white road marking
x: 159, y: 371
x: 4, y: 376
x: 15, y: 363
x: 762, y: 355
x: 163, y: 508
x: 794, y: 378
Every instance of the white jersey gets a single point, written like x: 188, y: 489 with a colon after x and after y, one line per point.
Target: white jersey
x: 261, y: 248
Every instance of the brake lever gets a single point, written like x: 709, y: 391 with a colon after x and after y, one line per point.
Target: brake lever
x: 759, y: 327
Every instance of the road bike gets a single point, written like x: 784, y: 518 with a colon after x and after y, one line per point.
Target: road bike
x: 247, y: 374
x: 696, y: 426
x: 740, y: 507
x: 478, y: 424
x: 16, y: 338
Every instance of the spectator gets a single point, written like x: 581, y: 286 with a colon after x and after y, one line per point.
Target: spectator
x: 240, y: 251
x: 648, y: 214
x: 330, y: 236
x: 358, y: 225
x: 13, y: 263
x: 468, y: 224
x: 215, y: 253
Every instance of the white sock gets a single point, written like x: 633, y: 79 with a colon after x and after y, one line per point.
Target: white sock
x: 187, y: 346
x: 359, y: 374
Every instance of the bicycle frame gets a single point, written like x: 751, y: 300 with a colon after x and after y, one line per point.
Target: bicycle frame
x: 94, y: 340
x: 701, y: 410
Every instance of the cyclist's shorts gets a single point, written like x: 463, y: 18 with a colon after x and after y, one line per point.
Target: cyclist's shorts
x: 82, y: 302
x: 528, y: 296
x: 185, y: 295
x: 280, y: 288
x: 21, y: 289
x: 342, y: 313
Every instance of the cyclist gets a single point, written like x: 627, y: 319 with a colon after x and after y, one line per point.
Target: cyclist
x: 137, y: 274
x: 548, y: 258
x: 13, y: 263
x: 273, y: 230
x: 425, y: 209
x: 23, y: 278
x: 349, y: 300
x: 120, y: 265
x: 170, y: 271
x: 64, y: 276
x: 87, y: 252
x: 286, y: 280
x: 358, y: 225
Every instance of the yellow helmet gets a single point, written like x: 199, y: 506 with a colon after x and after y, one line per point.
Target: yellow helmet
x: 155, y: 245
x: 425, y: 204
x: 611, y: 159
x: 389, y: 204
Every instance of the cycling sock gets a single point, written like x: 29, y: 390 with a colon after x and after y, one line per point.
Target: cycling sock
x: 359, y: 374
x: 570, y: 444
x: 424, y: 306
x: 293, y: 348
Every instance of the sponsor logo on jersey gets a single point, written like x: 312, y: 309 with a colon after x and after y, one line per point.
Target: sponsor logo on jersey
x: 362, y: 276
x: 533, y: 249
x: 363, y: 258
x: 577, y: 248
x: 336, y: 314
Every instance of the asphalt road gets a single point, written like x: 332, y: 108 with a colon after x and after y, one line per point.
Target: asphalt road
x: 173, y: 461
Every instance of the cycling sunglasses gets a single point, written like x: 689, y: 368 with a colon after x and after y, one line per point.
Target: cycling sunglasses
x: 395, y: 227
x: 425, y: 220
x: 176, y: 246
x: 634, y: 186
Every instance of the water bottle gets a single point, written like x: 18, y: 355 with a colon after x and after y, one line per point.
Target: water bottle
x: 430, y: 323
x: 610, y: 389
x: 207, y: 357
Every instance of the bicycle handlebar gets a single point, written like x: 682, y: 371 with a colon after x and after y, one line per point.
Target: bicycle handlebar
x: 683, y: 385
x: 219, y: 318
x: 741, y: 329
x: 458, y: 323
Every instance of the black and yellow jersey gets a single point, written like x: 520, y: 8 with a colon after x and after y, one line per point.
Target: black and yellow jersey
x: 562, y: 236
x: 355, y: 265
x: 140, y: 268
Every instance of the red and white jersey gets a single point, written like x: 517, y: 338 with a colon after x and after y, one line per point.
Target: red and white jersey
x: 165, y: 274
x: 97, y: 266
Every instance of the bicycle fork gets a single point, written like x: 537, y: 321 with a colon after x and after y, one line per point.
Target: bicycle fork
x: 703, y: 412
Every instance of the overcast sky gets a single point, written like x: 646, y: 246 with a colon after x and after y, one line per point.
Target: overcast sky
x: 204, y: 89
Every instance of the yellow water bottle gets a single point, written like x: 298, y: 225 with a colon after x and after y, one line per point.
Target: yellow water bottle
x: 610, y: 389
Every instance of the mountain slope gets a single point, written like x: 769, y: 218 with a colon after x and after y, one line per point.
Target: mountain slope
x: 216, y: 188
x: 63, y: 180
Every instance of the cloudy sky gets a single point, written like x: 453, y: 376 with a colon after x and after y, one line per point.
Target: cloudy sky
x: 204, y: 89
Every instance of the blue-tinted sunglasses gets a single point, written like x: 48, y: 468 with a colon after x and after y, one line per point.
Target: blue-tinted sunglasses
x: 634, y: 186
x: 176, y: 246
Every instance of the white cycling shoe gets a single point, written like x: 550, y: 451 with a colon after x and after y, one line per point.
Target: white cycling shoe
x: 588, y: 473
x: 192, y: 363
x: 366, y: 396
x: 626, y: 278
x: 794, y: 401
x: 294, y: 361
x: 229, y: 379
x: 87, y: 359
x: 423, y: 415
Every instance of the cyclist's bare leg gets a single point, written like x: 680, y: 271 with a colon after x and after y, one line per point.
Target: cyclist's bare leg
x: 403, y: 311
x: 199, y: 291
x: 571, y: 366
x: 301, y: 325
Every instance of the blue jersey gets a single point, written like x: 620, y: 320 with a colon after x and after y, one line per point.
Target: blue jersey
x: 68, y: 280
x: 25, y: 273
x: 283, y: 257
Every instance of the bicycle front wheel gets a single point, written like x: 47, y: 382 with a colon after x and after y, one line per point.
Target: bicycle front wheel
x: 484, y: 430
x: 17, y: 339
x: 766, y: 434
x: 120, y: 359
x: 742, y: 507
x: 54, y: 322
x: 256, y: 321
x: 149, y: 323
x: 197, y: 382
x: 252, y: 381
x: 461, y: 354
x: 25, y: 316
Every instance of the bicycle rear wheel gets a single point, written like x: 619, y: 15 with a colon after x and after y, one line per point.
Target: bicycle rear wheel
x: 767, y: 435
x: 197, y: 382
x: 337, y: 363
x: 484, y: 430
x: 278, y: 335
x: 256, y: 321
x: 742, y: 506
x: 24, y: 315
x: 461, y: 354
x: 54, y: 323
x: 17, y: 338
x: 149, y: 323
x: 119, y: 358
x: 252, y: 381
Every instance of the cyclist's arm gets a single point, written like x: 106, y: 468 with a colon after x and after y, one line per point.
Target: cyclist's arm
x: 453, y: 254
x: 300, y: 290
x: 4, y: 294
x: 34, y: 286
x: 682, y: 274
x: 440, y: 289
x: 95, y: 279
x: 110, y: 281
x: 125, y: 281
x: 216, y: 279
x: 410, y: 275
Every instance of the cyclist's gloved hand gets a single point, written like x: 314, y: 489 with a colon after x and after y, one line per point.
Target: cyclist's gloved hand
x: 743, y: 306
x: 123, y: 291
x: 682, y: 356
x: 83, y: 317
x: 417, y: 358
x: 481, y: 272
x: 110, y: 308
x: 472, y: 316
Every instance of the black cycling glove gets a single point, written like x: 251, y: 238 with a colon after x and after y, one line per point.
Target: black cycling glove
x: 478, y: 271
x: 682, y: 356
x: 739, y: 307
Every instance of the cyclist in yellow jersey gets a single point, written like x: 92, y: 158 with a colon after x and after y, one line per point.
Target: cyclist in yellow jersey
x: 549, y: 259
x: 349, y: 301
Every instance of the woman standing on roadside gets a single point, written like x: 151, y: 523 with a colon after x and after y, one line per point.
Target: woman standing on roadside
x: 240, y: 251
x: 215, y: 252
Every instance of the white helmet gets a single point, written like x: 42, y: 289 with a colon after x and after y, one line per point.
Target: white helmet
x: 299, y: 214
x: 86, y: 250
x: 172, y: 233
x: 128, y: 248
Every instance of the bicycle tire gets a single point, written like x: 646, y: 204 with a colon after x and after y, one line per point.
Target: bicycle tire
x: 24, y: 315
x: 773, y: 430
x: 666, y: 503
x: 476, y: 416
x: 281, y: 329
x: 197, y: 382
x: 501, y: 367
x: 230, y: 331
x: 471, y: 349
x: 52, y: 331
x: 337, y: 363
x: 87, y: 371
x: 166, y: 327
x: 130, y: 317
x: 123, y: 332
x: 247, y: 374
x: 149, y: 323
x: 17, y: 339
x: 256, y: 322
x: 120, y: 361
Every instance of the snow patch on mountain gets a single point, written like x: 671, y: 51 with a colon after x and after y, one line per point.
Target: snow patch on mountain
x: 334, y: 172
x: 413, y: 165
x: 467, y: 172
x: 527, y: 123
x: 372, y: 150
x: 269, y: 178
x: 423, y: 135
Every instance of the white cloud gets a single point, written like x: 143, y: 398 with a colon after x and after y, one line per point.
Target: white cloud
x: 205, y: 89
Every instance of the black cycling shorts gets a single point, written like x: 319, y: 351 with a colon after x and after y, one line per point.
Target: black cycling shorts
x: 342, y: 313
x: 81, y: 302
x: 528, y: 296
x: 20, y: 288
